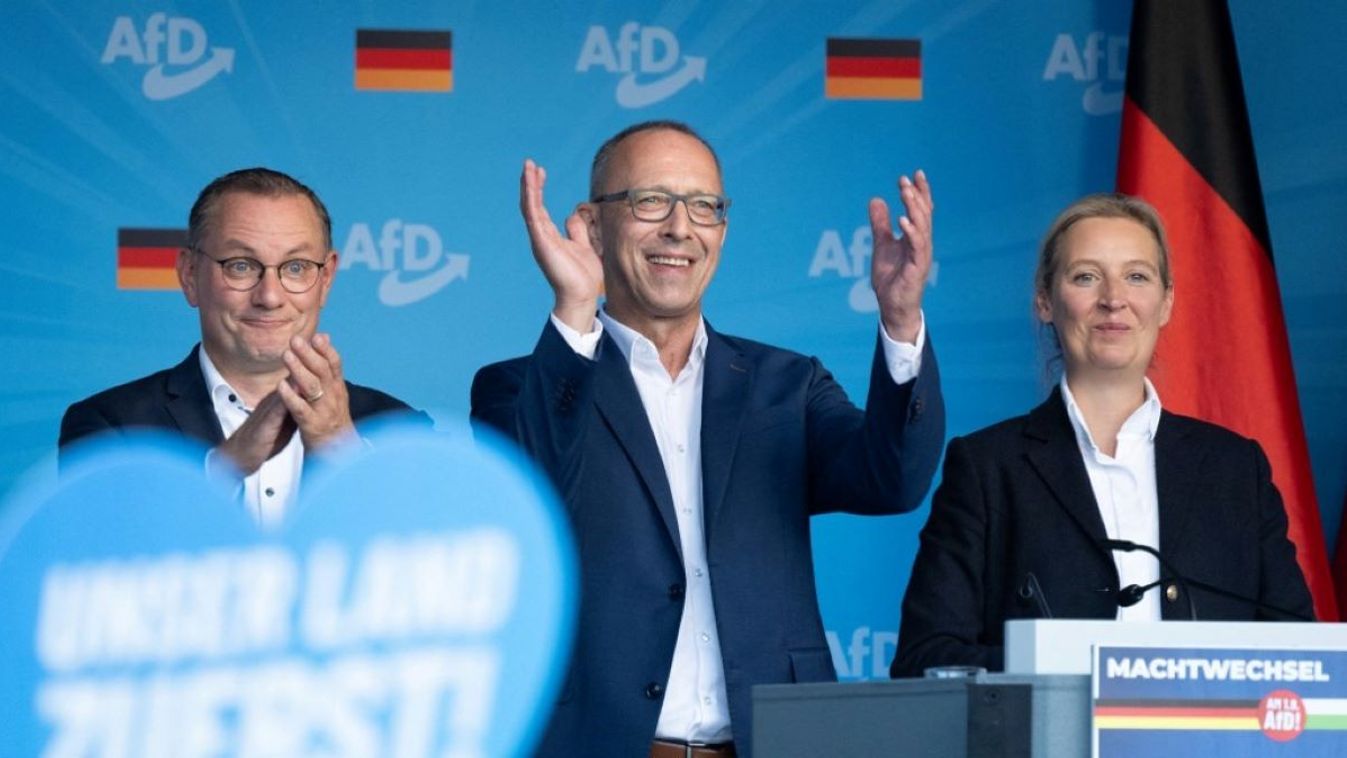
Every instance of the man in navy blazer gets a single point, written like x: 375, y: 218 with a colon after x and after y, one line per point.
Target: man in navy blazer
x: 263, y: 388
x: 691, y: 461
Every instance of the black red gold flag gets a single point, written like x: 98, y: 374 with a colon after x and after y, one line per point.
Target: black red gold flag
x: 873, y: 69
x: 1188, y: 150
x: 390, y: 59
x: 147, y: 258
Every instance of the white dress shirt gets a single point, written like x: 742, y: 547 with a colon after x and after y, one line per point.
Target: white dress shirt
x: 696, y: 707
x: 1124, y: 488
x: 270, y: 490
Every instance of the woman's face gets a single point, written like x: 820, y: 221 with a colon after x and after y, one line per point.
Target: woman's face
x: 1107, y: 301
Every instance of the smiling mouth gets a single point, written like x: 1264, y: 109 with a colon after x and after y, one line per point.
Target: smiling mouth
x: 664, y: 260
x: 264, y: 323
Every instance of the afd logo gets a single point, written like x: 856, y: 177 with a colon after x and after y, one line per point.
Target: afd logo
x: 411, y: 255
x: 866, y: 656
x: 649, y: 58
x: 1100, y: 60
x: 185, y: 63
x: 851, y: 260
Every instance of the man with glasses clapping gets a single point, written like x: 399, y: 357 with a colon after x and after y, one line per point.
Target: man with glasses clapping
x: 263, y: 388
x: 690, y: 461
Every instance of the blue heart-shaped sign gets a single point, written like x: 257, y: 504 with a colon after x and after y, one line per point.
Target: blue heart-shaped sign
x: 418, y: 602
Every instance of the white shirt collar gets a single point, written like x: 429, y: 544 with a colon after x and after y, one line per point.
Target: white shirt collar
x: 220, y: 391
x: 1144, y: 421
x: 639, y: 350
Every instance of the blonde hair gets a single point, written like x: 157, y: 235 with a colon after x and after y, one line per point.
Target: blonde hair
x: 1101, y: 205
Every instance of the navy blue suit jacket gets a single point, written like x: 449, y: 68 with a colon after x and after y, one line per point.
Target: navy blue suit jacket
x: 780, y: 443
x: 177, y: 399
x: 1015, y: 498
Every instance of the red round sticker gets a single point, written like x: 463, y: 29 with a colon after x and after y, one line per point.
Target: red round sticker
x: 1281, y: 715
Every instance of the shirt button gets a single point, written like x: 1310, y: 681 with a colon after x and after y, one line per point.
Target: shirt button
x: 233, y: 398
x: 682, y: 448
x: 706, y: 637
x: 270, y: 492
x: 706, y: 701
x: 697, y: 572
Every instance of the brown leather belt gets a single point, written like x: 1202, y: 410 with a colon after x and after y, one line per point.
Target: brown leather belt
x: 673, y: 749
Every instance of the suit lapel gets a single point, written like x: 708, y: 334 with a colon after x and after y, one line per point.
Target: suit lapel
x: 726, y: 383
x: 1177, y: 485
x: 620, y: 405
x: 188, y: 402
x: 1056, y: 458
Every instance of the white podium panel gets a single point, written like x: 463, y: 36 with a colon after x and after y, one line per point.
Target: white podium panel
x: 1063, y: 646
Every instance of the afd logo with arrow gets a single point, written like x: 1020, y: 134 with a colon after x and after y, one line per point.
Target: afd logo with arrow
x: 1099, y: 61
x: 412, y: 257
x: 187, y: 62
x: 648, y: 56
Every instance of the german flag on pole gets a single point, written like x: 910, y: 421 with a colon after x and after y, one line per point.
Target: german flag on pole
x: 418, y: 61
x: 873, y: 69
x: 147, y: 258
x: 1187, y: 149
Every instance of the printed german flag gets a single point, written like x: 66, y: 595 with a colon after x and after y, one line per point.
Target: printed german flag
x: 419, y: 61
x: 146, y: 258
x: 873, y: 69
x: 1177, y: 715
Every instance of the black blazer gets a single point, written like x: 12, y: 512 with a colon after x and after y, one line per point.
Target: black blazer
x: 177, y: 399
x: 1015, y: 498
x: 780, y: 442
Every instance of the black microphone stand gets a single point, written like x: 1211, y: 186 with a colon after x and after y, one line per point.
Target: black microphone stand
x: 1127, y: 546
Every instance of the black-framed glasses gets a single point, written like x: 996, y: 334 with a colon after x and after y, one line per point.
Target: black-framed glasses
x: 297, y: 275
x: 703, y: 208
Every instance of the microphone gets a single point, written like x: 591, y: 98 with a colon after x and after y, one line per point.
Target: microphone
x: 1131, y: 594
x: 1127, y: 592
x: 1031, y: 590
x: 1127, y: 546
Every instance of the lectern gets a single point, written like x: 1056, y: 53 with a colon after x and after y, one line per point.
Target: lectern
x: 1039, y: 707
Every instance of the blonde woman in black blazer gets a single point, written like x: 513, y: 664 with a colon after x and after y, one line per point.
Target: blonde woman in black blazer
x: 1017, y: 520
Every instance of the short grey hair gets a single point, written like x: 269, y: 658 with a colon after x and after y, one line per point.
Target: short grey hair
x: 599, y: 168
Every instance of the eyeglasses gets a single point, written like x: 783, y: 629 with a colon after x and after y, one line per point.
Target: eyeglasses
x: 656, y: 205
x: 297, y: 275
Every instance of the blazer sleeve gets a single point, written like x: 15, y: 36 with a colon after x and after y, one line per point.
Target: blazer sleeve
x: 542, y: 403
x: 1281, y: 582
x: 943, y: 621
x: 83, y: 419
x: 882, y: 460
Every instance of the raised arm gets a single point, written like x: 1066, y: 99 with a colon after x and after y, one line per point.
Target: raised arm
x: 899, y: 266
x: 570, y: 263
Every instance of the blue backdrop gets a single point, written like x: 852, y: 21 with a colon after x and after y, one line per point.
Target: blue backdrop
x: 114, y: 114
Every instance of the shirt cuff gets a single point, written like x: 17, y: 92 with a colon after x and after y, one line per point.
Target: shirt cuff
x: 585, y: 345
x: 902, y: 359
